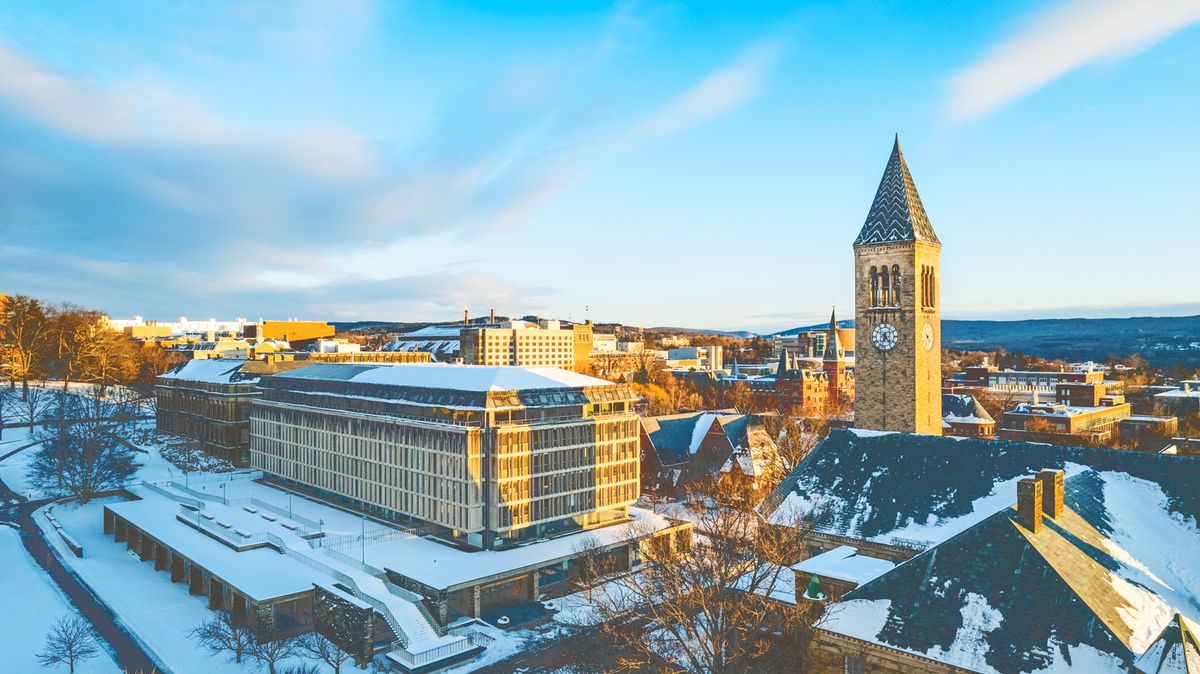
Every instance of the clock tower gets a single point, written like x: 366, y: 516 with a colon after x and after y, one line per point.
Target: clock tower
x: 898, y: 329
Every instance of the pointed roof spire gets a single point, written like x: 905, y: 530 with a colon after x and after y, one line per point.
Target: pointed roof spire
x: 833, y: 344
x: 897, y: 213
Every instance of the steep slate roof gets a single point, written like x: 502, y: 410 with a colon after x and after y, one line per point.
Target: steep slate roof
x: 1091, y: 592
x: 211, y: 371
x: 1176, y: 651
x: 1088, y: 593
x: 897, y: 213
x: 919, y: 488
x: 964, y: 409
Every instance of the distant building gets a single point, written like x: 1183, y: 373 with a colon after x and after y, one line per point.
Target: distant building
x: 674, y: 342
x: 485, y: 457
x: 521, y: 344
x: 146, y: 328
x: 704, y: 358
x: 442, y: 342
x: 679, y: 450
x: 1069, y: 424
x: 1183, y: 401
x: 219, y: 347
x: 299, y: 333
x: 604, y: 343
x: 964, y: 417
x: 814, y: 387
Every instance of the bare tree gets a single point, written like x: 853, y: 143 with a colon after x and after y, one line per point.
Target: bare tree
x: 221, y: 634
x: 87, y: 451
x: 270, y: 653
x: 302, y: 668
x: 71, y: 640
x: 711, y: 606
x: 317, y: 646
x: 31, y: 407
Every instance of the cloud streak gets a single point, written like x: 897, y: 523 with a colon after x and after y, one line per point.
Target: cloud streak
x: 1062, y: 39
x: 724, y: 90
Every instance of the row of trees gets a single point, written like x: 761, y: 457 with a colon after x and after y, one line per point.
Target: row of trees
x: 223, y: 635
x: 71, y: 344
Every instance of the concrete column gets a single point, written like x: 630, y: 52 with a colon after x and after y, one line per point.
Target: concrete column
x: 161, y: 560
x: 534, y: 585
x: 475, y: 600
x: 108, y: 521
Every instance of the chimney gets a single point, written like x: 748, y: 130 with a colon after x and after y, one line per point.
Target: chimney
x: 492, y: 320
x: 1052, y: 492
x: 466, y: 316
x: 1029, y: 504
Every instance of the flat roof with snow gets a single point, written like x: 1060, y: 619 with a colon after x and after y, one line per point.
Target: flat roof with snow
x: 844, y: 563
x: 469, y: 378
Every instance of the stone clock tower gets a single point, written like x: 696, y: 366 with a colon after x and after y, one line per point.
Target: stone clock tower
x: 898, y: 330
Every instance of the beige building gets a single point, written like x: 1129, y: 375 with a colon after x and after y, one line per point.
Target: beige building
x: 521, y: 344
x: 898, y: 334
x: 208, y: 400
x: 486, y: 457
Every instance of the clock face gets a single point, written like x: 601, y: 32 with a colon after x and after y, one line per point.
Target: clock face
x: 927, y: 336
x: 884, y: 336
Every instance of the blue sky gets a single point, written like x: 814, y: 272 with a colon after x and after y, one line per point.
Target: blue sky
x: 698, y: 164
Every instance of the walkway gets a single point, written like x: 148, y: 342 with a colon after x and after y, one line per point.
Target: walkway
x: 129, y: 655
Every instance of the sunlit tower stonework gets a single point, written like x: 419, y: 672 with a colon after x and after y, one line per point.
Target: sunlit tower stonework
x: 898, y: 335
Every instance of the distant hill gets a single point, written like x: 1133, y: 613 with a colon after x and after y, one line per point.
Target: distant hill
x: 1160, y: 340
x: 739, y: 334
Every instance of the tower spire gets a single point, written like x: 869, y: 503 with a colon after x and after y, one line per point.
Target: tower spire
x: 833, y: 344
x: 896, y: 213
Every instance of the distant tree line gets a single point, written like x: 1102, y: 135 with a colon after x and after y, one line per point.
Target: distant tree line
x: 68, y: 344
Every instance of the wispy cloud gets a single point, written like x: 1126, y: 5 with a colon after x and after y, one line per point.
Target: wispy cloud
x: 1060, y: 40
x: 725, y: 89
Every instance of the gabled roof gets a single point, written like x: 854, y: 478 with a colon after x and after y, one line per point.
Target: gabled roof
x: 904, y: 489
x: 1088, y: 593
x: 676, y: 437
x: 897, y: 213
x: 472, y: 378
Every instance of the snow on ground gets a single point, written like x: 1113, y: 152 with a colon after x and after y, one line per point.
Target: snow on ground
x: 158, y: 612
x: 41, y: 604
x: 12, y: 469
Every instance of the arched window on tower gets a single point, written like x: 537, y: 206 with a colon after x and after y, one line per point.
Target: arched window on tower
x: 895, y: 285
x: 874, y: 287
x: 885, y: 290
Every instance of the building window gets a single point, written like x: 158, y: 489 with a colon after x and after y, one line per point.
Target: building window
x: 855, y: 664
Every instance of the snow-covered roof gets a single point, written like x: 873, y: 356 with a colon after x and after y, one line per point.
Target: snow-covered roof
x: 442, y: 566
x: 472, y: 378
x: 844, y: 563
x: 1092, y: 591
x: 211, y: 371
x: 1176, y: 651
x: 435, y: 331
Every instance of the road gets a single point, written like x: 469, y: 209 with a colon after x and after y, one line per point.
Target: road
x: 129, y: 655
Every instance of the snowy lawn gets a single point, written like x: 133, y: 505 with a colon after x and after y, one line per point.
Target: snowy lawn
x: 41, y: 604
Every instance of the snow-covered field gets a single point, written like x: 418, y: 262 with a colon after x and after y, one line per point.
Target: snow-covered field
x: 23, y: 631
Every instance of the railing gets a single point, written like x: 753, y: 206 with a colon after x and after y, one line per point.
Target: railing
x: 371, y: 537
x: 227, y: 477
x: 475, y: 636
x: 310, y: 524
x: 173, y: 496
x: 198, y: 494
x: 414, y: 660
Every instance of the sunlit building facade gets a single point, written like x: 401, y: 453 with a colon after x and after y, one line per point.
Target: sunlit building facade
x: 486, y: 457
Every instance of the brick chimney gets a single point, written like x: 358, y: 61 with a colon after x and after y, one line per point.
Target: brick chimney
x: 466, y: 316
x: 1052, y: 492
x: 492, y: 320
x: 1029, y: 503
